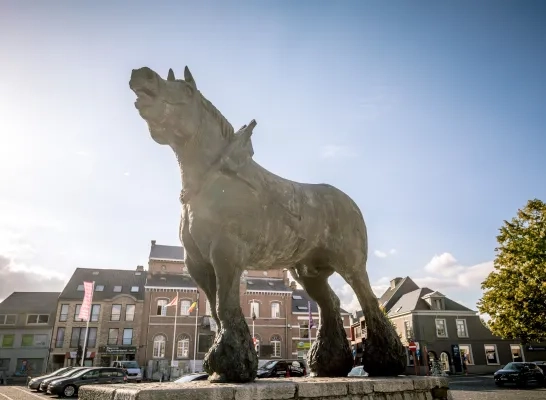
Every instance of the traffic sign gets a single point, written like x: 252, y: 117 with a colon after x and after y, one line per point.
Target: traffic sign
x: 412, y: 346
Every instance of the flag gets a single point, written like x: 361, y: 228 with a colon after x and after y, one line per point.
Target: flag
x: 311, y: 323
x: 173, y: 302
x: 85, y: 309
x: 192, y: 307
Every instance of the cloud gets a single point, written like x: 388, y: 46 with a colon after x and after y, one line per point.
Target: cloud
x: 453, y: 274
x: 126, y: 173
x: 334, y: 151
x: 383, y: 254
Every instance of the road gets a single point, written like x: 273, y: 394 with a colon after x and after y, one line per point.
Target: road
x: 462, y: 387
x: 483, y: 388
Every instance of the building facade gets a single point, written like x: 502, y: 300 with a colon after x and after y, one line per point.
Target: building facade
x: 276, y: 312
x: 115, y: 320
x: 442, y: 330
x: 26, y: 324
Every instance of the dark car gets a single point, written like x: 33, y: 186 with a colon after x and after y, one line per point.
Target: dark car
x: 541, y: 365
x: 69, y: 386
x: 282, y: 369
x: 34, y: 383
x: 519, y: 373
x: 74, y: 370
x: 198, y: 376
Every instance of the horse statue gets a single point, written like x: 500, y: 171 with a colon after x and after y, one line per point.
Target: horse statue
x: 237, y: 216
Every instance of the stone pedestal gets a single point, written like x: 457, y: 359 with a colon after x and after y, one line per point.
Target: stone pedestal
x: 357, y: 388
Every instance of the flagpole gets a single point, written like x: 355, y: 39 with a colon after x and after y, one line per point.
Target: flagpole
x: 174, y: 329
x: 196, y: 337
x: 87, y: 327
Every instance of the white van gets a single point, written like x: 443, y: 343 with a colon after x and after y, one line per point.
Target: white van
x: 134, y: 373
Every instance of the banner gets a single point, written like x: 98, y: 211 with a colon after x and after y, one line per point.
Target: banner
x: 85, y: 309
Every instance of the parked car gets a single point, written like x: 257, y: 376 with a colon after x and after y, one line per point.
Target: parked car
x: 198, y: 376
x: 541, y: 365
x: 74, y: 370
x: 134, y: 373
x: 358, y: 371
x: 69, y: 386
x: 34, y: 383
x: 282, y: 368
x: 520, y: 373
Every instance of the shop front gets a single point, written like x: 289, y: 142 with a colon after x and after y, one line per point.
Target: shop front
x: 109, y: 354
x: 71, y: 359
x: 303, y: 349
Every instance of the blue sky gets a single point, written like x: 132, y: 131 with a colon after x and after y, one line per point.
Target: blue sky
x: 431, y: 115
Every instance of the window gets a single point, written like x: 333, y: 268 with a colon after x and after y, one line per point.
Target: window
x: 99, y: 288
x: 59, y: 339
x: 275, y: 310
x: 276, y: 345
x: 466, y: 353
x: 117, y: 289
x: 441, y: 328
x: 37, y: 319
x: 302, y: 308
x: 7, y: 340
x: 78, y: 336
x: 304, y: 330
x: 116, y: 312
x: 113, y: 336
x: 7, y: 319
x: 64, y: 313
x: 207, y: 308
x: 77, y: 312
x: 27, y: 340
x: 408, y: 329
x: 491, y: 355
x: 438, y: 304
x: 297, y: 297
x: 517, y: 353
x: 255, y: 309
x: 127, y: 336
x: 95, y: 312
x: 159, y: 346
x: 129, y: 312
x: 80, y: 288
x: 134, y: 289
x: 205, y: 343
x: 32, y: 340
x: 183, y: 347
x: 461, y: 328
x: 185, y: 307
x: 161, y: 307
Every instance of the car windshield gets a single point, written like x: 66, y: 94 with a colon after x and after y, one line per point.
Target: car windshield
x: 269, y: 364
x: 514, y: 366
x: 130, y: 364
x: 79, y: 372
x: 61, y: 371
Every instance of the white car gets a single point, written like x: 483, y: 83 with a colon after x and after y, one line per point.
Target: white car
x: 134, y: 373
x: 358, y: 371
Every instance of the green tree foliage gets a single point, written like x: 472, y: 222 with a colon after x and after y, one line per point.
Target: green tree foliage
x: 515, y: 292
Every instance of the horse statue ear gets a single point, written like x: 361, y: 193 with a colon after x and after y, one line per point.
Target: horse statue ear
x: 188, y: 77
x: 171, y: 77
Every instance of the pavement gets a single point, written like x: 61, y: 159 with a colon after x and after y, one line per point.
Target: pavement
x: 475, y: 387
x: 470, y: 387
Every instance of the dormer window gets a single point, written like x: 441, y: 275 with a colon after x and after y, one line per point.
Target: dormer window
x: 438, y: 304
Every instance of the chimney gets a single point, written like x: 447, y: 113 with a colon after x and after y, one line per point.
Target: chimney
x: 140, y: 268
x: 293, y: 285
x: 395, y: 282
x: 153, y: 243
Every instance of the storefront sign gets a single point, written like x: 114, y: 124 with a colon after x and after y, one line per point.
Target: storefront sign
x: 536, y: 348
x: 117, y: 349
x: 304, y: 346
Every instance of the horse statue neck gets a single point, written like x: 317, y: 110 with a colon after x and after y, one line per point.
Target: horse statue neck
x: 197, y: 155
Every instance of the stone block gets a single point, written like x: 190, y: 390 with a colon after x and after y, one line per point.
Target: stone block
x: 266, y: 390
x: 321, y: 387
x: 389, y: 385
x: 101, y: 393
x: 429, y: 382
x: 360, y: 386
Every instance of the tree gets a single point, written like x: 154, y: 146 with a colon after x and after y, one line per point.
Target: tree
x: 515, y: 292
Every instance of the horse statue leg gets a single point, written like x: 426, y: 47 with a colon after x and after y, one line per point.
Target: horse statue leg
x: 203, y: 274
x: 232, y: 357
x: 383, y: 354
x: 330, y: 354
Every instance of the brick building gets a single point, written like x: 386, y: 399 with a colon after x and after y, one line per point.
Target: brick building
x: 115, y: 323
x: 280, y: 310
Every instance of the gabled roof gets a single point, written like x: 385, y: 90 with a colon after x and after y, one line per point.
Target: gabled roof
x: 392, y: 295
x: 30, y: 302
x: 300, y: 302
x: 109, y: 278
x: 415, y: 301
x: 171, y: 280
x: 162, y: 252
x: 266, y: 285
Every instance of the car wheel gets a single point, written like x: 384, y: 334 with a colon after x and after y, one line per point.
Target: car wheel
x: 499, y: 383
x: 69, y: 391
